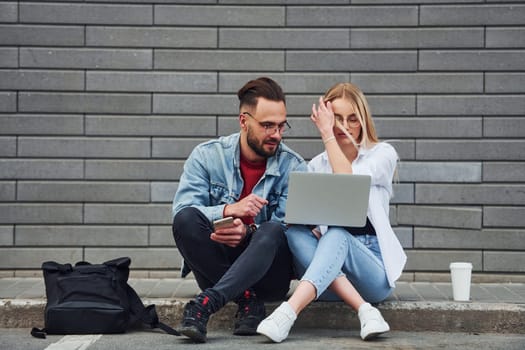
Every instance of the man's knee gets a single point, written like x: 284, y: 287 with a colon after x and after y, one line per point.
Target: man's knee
x: 270, y: 233
x: 185, y: 217
x: 187, y: 221
x: 186, y: 214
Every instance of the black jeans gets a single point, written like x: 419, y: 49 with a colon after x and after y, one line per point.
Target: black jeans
x: 263, y: 263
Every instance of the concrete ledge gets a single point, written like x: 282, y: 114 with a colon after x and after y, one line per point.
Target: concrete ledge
x: 424, y: 316
x: 472, y: 317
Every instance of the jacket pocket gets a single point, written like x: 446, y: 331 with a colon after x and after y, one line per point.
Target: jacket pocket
x: 219, y: 194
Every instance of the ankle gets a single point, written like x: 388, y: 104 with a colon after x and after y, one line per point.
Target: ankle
x: 289, y: 310
x: 245, y: 296
x: 363, y: 307
x: 207, y: 300
x: 303, y: 295
x: 297, y: 308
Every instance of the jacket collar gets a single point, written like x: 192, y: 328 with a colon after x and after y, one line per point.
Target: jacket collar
x: 272, y: 163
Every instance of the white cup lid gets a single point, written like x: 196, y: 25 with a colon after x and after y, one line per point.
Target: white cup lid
x: 461, y: 265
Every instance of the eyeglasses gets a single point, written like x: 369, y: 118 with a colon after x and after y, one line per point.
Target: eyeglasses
x: 271, y: 128
x: 352, y: 120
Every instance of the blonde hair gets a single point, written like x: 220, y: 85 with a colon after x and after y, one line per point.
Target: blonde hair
x: 355, y: 96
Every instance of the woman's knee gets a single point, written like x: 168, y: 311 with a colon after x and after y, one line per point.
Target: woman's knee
x: 377, y: 295
x: 337, y: 233
x: 302, y: 244
x: 298, y: 236
x: 373, y: 287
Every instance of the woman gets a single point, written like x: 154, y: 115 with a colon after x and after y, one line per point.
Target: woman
x: 358, y: 264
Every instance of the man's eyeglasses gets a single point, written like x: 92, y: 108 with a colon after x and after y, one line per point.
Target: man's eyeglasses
x: 271, y: 128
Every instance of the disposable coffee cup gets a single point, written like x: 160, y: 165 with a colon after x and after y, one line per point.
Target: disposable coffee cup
x: 460, y: 273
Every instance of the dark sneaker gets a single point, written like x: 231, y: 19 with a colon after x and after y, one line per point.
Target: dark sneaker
x: 195, y: 320
x: 250, y: 313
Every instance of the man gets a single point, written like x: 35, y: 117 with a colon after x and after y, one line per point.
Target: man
x: 244, y: 176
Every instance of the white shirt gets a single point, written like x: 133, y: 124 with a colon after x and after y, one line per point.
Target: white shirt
x: 379, y: 162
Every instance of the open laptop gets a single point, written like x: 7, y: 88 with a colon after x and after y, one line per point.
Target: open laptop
x: 327, y: 199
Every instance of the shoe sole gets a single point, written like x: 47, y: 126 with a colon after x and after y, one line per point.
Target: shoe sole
x: 245, y: 328
x: 373, y: 335
x: 245, y: 331
x: 264, y: 332
x: 193, y: 334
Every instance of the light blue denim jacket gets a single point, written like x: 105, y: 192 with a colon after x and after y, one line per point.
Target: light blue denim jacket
x: 212, y: 179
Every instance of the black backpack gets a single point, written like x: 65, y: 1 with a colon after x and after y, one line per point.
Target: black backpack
x: 93, y: 299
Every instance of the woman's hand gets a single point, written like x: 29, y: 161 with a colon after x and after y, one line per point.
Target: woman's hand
x: 323, y: 118
x: 316, y: 233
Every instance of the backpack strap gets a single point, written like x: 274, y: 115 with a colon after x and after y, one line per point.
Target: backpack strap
x: 147, y: 315
x: 151, y: 318
x: 39, y: 333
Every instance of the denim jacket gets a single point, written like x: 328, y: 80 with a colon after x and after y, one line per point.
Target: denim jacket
x: 212, y: 178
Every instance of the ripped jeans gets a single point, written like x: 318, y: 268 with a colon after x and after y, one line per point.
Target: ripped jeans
x: 337, y: 253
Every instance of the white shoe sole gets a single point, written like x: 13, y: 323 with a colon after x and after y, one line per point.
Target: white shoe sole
x: 375, y: 333
x: 261, y: 329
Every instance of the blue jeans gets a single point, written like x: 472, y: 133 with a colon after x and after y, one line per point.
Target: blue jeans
x: 335, y: 254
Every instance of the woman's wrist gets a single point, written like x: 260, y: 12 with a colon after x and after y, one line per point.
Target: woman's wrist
x: 328, y: 139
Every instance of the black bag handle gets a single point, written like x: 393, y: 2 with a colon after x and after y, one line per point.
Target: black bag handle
x: 52, y: 266
x: 39, y: 333
x: 151, y: 318
x: 147, y: 315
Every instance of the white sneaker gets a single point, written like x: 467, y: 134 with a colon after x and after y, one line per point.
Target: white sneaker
x: 372, y: 323
x: 277, y: 326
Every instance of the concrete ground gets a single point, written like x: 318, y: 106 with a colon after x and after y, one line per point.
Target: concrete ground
x: 304, y: 339
x: 414, y: 307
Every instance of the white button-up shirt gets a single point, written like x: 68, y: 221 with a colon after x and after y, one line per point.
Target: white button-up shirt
x: 379, y: 162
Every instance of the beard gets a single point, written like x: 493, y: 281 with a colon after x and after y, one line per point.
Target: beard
x: 258, y: 146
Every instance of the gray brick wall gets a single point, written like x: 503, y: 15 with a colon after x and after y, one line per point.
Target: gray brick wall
x: 102, y: 101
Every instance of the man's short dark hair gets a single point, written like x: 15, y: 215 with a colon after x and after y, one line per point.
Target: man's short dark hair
x: 261, y: 87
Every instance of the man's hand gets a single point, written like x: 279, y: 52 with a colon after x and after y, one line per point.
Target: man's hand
x: 249, y: 206
x: 232, y: 235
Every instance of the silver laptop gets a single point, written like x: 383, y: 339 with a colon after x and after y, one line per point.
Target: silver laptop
x: 327, y: 199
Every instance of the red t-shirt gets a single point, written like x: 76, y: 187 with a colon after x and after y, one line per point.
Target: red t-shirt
x: 251, y: 173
